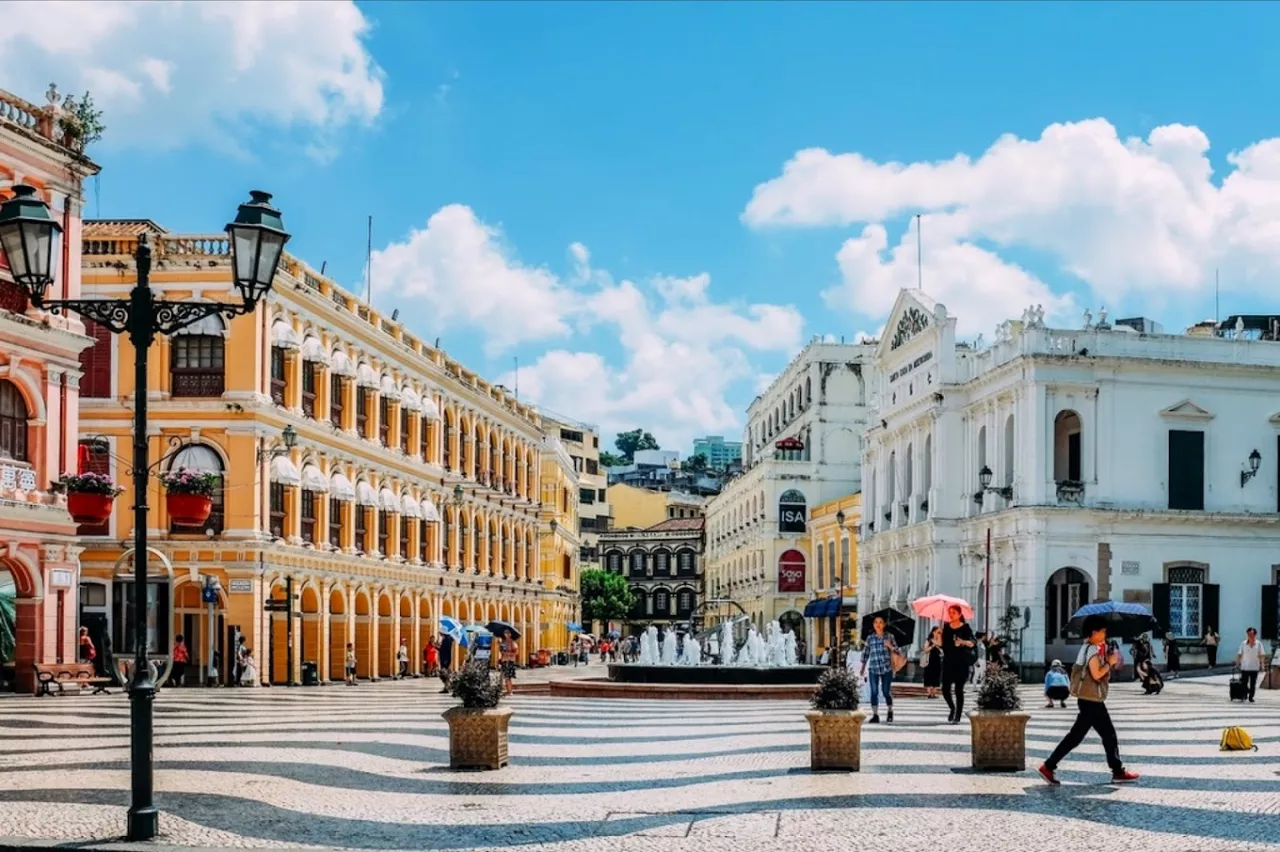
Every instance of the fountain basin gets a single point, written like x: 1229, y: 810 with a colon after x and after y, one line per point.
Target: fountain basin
x: 603, y: 688
x: 716, y: 675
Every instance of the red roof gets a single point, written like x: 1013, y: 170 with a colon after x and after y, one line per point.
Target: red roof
x: 677, y: 525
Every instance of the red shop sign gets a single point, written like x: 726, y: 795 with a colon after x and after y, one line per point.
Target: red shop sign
x: 791, y: 572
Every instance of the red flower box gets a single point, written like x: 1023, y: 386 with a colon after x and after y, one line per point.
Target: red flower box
x: 89, y: 509
x: 189, y: 510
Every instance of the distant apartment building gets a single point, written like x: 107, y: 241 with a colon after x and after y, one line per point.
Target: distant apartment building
x: 582, y: 442
x: 720, y: 454
x: 659, y: 470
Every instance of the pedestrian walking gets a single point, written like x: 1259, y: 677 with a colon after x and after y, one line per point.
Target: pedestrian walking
x: 350, y: 665
x: 1090, y: 680
x: 931, y: 662
x: 402, y: 657
x: 877, y: 659
x: 1249, y: 661
x: 181, y: 656
x: 446, y: 661
x: 431, y: 656
x: 509, y: 650
x: 959, y: 651
x: 86, y: 651
x: 1211, y: 642
x: 1172, y: 656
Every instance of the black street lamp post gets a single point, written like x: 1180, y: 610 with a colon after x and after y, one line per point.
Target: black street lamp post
x: 257, y: 239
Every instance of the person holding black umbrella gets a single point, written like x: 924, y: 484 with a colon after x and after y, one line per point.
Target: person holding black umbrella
x: 958, y: 655
x: 446, y: 659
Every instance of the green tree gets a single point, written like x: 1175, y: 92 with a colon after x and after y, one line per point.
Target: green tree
x: 605, y: 596
x: 637, y: 439
x: 697, y: 463
x: 608, y: 459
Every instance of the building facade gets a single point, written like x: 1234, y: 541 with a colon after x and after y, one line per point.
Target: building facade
x: 1059, y: 466
x: 801, y: 447
x: 412, y: 492
x: 559, y: 543
x: 663, y: 565
x: 833, y: 581
x: 39, y: 400
x: 582, y: 442
x: 720, y: 454
x: 640, y: 508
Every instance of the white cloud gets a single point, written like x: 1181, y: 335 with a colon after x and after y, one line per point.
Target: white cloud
x: 681, y: 354
x: 1125, y: 216
x: 168, y: 73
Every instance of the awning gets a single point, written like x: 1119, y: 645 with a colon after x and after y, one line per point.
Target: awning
x: 340, y: 364
x: 210, y: 326
x: 388, y: 501
x: 387, y: 387
x: 365, y: 495
x: 197, y: 457
x: 822, y: 608
x: 313, y: 349
x: 411, y: 507
x: 283, y: 335
x: 365, y: 376
x: 409, y: 399
x: 573, y: 627
x: 340, y: 488
x: 313, y: 479
x: 284, y: 471
x: 430, y: 513
x: 429, y: 408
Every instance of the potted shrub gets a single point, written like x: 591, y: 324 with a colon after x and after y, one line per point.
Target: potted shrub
x: 477, y: 726
x: 835, y: 725
x: 89, y: 496
x: 997, y: 730
x: 189, y: 495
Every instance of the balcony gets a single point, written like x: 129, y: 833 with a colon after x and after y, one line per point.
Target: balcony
x: 19, y: 490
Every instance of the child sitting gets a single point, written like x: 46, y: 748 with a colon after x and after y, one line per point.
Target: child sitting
x: 1057, y: 685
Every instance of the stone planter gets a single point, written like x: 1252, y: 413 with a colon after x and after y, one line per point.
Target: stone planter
x: 89, y: 509
x: 189, y: 510
x: 998, y: 740
x: 835, y: 740
x: 477, y: 737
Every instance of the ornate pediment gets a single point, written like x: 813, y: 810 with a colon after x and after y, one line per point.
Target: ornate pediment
x: 912, y: 322
x: 1187, y: 410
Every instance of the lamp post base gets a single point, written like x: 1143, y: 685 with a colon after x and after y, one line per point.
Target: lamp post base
x: 144, y: 824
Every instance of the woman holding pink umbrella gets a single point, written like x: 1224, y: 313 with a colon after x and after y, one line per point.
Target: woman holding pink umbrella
x: 958, y: 647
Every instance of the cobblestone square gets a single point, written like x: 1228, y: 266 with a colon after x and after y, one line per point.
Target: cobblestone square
x: 366, y: 768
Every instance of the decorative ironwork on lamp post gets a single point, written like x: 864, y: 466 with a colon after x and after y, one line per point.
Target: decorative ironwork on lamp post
x: 257, y: 239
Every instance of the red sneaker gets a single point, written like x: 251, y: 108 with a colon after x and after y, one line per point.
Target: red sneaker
x: 1048, y: 775
x: 1124, y: 777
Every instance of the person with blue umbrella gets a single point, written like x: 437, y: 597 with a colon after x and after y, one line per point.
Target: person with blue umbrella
x: 451, y: 634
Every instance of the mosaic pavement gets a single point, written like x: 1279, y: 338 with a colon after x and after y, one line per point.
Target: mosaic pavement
x: 365, y: 768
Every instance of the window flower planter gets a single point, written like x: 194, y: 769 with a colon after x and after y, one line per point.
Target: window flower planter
x: 189, y: 510
x: 89, y: 509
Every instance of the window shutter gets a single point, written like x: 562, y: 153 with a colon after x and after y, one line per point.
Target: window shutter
x: 1160, y: 605
x: 95, y: 362
x: 1270, y: 624
x: 1209, y: 608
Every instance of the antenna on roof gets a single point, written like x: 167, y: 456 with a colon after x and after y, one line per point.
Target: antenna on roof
x: 323, y: 264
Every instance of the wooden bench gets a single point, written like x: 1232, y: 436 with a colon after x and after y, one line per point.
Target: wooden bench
x: 63, y: 675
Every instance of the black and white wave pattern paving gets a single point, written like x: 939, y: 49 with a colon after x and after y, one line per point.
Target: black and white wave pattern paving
x: 366, y: 768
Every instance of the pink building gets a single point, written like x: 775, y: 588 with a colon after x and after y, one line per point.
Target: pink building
x: 39, y: 400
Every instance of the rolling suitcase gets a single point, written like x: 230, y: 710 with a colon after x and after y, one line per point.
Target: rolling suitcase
x: 1236, y: 688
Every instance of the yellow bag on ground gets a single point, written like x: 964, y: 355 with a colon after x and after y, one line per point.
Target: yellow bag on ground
x: 1236, y: 739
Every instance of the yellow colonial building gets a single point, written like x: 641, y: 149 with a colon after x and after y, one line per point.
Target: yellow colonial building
x: 641, y: 508
x: 833, y: 527
x: 412, y: 490
x: 559, y: 543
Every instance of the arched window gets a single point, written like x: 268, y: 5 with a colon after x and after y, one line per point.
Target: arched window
x: 662, y: 563
x: 661, y: 603
x: 1066, y: 591
x: 1008, y: 451
x: 202, y: 458
x: 684, y: 603
x: 687, y: 564
x: 13, y: 423
x: 1067, y: 430
x: 613, y: 561
x: 641, y: 609
x: 791, y: 512
x: 637, y: 563
x: 197, y: 360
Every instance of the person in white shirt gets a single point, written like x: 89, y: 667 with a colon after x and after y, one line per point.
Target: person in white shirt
x: 1249, y: 661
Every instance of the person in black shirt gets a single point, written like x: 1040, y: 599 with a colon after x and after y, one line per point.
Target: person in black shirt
x: 958, y: 647
x: 446, y: 660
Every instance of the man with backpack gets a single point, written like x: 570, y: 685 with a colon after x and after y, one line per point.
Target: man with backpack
x: 1090, y: 679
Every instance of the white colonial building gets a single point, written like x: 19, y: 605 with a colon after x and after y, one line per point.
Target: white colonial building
x: 1100, y: 463
x: 801, y: 447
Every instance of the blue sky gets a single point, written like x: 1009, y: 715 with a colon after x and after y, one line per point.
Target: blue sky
x: 641, y: 131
